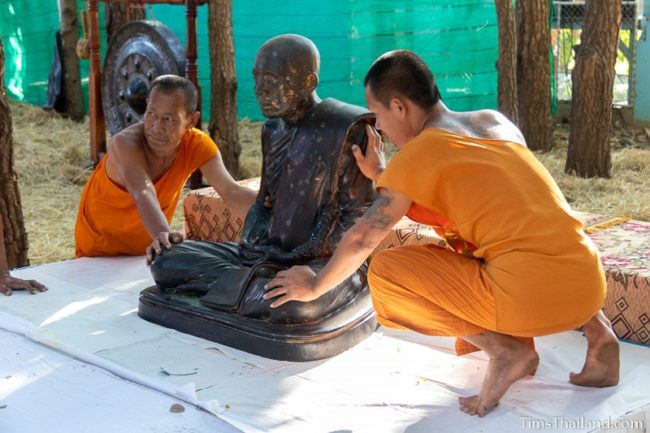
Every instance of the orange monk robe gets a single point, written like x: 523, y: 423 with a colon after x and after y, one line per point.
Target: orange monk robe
x: 108, y: 223
x: 518, y: 262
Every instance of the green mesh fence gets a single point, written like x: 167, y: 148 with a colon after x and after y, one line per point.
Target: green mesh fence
x: 28, y: 47
x: 28, y: 30
x: 457, y: 39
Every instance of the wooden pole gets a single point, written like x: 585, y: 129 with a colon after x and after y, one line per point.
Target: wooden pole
x: 191, y: 70
x: 97, y: 124
x: 191, y: 73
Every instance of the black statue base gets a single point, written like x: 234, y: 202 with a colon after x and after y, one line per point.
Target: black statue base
x: 331, y: 336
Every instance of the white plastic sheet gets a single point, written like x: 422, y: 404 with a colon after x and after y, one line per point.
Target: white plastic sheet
x: 394, y: 381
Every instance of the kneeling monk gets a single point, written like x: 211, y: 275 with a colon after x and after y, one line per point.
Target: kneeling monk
x: 131, y: 197
x: 518, y: 265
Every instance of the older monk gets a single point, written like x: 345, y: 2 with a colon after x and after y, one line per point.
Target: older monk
x: 129, y: 201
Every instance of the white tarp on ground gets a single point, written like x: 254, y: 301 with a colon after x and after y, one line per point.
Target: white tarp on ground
x: 45, y: 391
x: 392, y: 382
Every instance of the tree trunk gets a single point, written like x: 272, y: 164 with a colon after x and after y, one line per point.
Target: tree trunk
x: 534, y: 73
x: 15, y: 237
x: 223, y: 105
x: 593, y: 81
x: 507, y: 63
x: 71, y: 74
x: 118, y: 14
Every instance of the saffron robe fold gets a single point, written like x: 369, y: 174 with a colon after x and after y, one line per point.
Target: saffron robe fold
x: 518, y: 262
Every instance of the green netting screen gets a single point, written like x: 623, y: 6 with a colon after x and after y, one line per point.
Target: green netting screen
x: 457, y: 38
x: 28, y: 29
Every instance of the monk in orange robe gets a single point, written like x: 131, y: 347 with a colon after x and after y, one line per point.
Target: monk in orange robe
x: 517, y: 265
x: 129, y: 201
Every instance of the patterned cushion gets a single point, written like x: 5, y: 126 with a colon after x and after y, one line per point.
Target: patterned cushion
x: 207, y: 218
x: 625, y: 252
x: 624, y: 246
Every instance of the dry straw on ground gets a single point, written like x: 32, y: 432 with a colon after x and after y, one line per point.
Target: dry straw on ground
x: 51, y: 153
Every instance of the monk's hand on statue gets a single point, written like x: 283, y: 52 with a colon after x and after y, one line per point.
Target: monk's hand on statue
x: 294, y: 284
x: 163, y: 241
x: 167, y: 239
x: 371, y: 163
x: 8, y: 284
x: 175, y: 238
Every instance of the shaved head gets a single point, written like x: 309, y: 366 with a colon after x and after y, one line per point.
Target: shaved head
x: 402, y: 73
x: 293, y: 53
x: 171, y: 83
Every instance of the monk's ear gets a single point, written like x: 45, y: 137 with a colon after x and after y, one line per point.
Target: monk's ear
x: 398, y: 107
x: 311, y: 82
x: 193, y: 119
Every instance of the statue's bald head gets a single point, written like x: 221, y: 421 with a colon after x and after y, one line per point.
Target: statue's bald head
x: 286, y: 75
x: 294, y: 52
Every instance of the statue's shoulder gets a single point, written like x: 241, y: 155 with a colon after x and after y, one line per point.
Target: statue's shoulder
x: 338, y: 121
x: 339, y: 114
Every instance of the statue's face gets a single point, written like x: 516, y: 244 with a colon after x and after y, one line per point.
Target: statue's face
x: 279, y: 88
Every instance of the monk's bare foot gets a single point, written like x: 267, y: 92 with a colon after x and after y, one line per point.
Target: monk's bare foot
x: 602, y: 363
x: 508, y: 363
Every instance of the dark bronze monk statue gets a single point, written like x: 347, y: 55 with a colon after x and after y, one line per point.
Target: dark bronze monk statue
x: 311, y: 192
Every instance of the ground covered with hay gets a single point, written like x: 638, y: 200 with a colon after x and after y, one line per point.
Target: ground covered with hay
x: 51, y: 158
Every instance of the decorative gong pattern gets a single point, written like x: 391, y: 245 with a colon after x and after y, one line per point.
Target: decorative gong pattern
x: 138, y: 53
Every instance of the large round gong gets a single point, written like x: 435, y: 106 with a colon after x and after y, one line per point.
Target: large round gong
x: 138, y: 53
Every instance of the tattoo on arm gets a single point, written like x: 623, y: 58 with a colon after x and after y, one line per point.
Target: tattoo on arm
x: 377, y: 216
